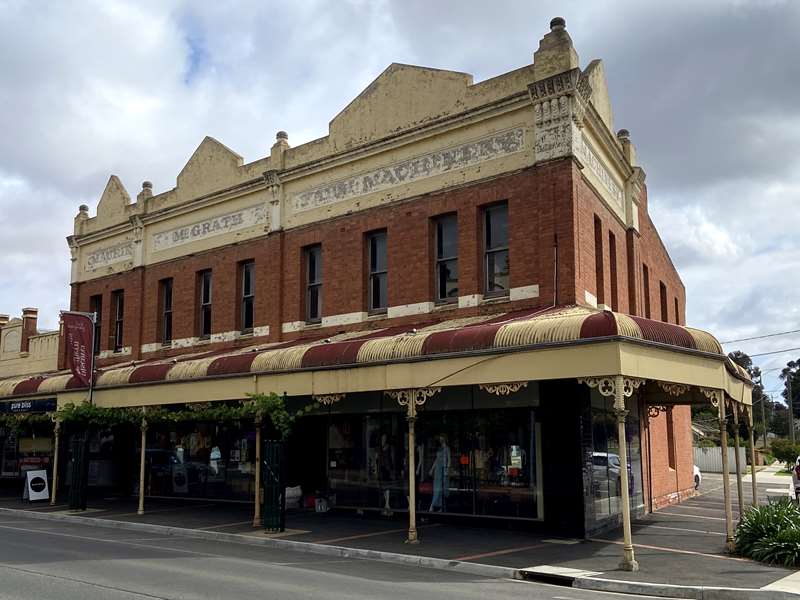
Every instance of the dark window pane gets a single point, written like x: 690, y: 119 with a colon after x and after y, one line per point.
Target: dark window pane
x: 497, y: 227
x: 313, y: 303
x: 497, y: 271
x: 314, y: 266
x: 248, y: 271
x: 167, y: 328
x: 377, y: 292
x: 447, y: 237
x: 377, y: 252
x: 206, y: 288
x: 167, y: 294
x: 447, y: 279
x: 247, y: 313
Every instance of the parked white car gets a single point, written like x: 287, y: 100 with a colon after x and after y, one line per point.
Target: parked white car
x: 698, y: 477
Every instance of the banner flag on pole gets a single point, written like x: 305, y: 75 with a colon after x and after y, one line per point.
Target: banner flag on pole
x: 79, y: 337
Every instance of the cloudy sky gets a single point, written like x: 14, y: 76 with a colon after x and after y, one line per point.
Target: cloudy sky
x: 710, y: 92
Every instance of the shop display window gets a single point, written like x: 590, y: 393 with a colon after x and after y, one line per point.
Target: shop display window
x: 603, y: 458
x: 471, y: 459
x: 200, y: 460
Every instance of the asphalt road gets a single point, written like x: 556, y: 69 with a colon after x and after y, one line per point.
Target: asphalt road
x: 41, y: 560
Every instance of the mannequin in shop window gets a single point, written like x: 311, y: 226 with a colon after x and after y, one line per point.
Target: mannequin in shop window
x: 386, y: 470
x: 440, y: 471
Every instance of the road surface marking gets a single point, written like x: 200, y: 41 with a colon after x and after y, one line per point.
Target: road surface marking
x: 227, y: 525
x: 500, y: 552
x: 160, y: 510
x: 675, y: 550
x: 683, y: 529
x: 692, y: 516
x: 373, y: 534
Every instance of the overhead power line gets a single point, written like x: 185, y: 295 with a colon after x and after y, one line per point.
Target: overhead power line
x: 761, y: 337
x: 774, y: 352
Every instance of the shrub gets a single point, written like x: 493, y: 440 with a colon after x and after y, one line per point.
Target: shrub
x: 785, y: 451
x: 771, y: 533
x: 783, y: 548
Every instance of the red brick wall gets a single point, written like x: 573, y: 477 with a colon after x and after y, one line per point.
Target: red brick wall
x: 669, y: 485
x: 632, y: 250
x: 540, y: 215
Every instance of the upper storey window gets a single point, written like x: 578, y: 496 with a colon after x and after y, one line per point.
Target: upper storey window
x: 247, y: 276
x: 446, y: 272
x: 96, y: 306
x: 496, y: 267
x: 165, y: 302
x: 313, y: 260
x: 204, y: 304
x: 118, y: 306
x: 377, y: 285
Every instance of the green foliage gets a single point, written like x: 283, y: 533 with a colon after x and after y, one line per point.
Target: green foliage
x: 771, y: 533
x: 21, y: 422
x: 785, y: 451
x: 783, y: 548
x: 706, y: 443
x: 273, y: 407
x: 260, y: 406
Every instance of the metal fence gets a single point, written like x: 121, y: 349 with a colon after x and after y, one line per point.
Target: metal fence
x: 709, y: 460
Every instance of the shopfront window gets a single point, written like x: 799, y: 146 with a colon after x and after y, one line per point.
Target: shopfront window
x: 606, y: 468
x: 200, y: 460
x: 475, y: 454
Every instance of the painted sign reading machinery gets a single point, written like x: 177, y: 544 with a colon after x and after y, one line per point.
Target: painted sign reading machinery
x: 104, y: 257
x: 234, y: 221
x: 420, y: 167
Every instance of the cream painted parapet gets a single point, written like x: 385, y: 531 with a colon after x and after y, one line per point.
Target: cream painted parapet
x: 412, y: 131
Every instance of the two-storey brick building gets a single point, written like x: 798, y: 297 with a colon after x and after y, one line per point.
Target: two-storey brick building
x: 481, y: 251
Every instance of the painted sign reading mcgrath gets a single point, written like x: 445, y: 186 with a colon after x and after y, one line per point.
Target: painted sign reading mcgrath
x: 458, y: 157
x: 234, y: 221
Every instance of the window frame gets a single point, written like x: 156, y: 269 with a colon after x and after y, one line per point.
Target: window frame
x: 374, y: 273
x: 646, y: 290
x: 442, y: 260
x: 315, y: 284
x: 247, y: 267
x: 205, y: 305
x: 494, y: 250
x: 118, y: 306
x: 662, y: 296
x: 165, y: 292
x: 96, y: 306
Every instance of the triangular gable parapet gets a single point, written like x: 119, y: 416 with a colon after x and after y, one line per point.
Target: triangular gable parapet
x: 114, y: 201
x: 401, y: 97
x: 212, y: 166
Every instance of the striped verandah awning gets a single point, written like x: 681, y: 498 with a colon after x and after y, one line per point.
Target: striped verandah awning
x: 566, y: 342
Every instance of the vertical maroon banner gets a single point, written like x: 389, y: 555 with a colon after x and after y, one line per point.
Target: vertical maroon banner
x: 78, y: 333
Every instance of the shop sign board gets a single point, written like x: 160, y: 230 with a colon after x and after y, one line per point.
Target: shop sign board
x: 42, y: 405
x: 36, y: 486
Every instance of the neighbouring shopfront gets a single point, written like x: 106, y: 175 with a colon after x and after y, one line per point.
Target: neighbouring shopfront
x: 26, y: 447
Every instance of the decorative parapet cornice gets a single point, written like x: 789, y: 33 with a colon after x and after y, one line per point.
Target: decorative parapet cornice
x: 503, y: 389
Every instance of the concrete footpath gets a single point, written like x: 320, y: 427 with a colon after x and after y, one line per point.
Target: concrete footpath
x: 680, y: 548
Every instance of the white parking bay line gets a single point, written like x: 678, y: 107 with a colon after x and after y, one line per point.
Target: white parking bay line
x: 684, y: 529
x: 691, y: 516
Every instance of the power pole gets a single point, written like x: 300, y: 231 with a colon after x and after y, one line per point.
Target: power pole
x: 791, y: 408
x: 764, y: 420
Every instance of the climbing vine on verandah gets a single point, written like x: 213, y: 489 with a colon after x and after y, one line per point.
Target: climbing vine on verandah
x: 267, y: 407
